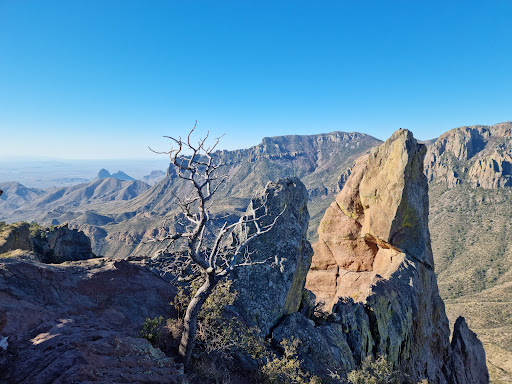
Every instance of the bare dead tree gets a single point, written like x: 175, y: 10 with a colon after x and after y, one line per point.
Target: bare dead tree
x: 195, y: 255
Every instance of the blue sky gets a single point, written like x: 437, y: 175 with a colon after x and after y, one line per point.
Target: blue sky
x: 105, y: 79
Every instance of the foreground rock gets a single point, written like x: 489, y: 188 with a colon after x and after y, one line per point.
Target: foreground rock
x: 61, y: 244
x: 373, y: 270
x: 16, y: 236
x: 273, y: 289
x: 80, y: 322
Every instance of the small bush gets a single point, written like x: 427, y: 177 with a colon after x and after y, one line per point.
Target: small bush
x: 37, y: 231
x: 287, y: 368
x: 152, y: 329
x: 372, y: 371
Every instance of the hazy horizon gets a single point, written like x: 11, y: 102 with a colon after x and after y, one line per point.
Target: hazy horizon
x: 95, y: 79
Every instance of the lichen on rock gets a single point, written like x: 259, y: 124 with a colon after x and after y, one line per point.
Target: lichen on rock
x: 271, y: 290
x: 373, y: 267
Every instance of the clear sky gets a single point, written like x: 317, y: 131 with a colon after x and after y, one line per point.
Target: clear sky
x: 107, y: 78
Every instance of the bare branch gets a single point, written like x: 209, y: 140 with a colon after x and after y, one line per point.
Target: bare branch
x: 203, y: 249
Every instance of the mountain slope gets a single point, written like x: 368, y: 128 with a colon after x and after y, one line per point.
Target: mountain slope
x: 68, y: 199
x: 154, y: 177
x: 318, y: 160
x: 16, y: 195
x: 470, y: 223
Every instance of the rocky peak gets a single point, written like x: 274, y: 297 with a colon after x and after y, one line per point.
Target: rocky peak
x: 382, y: 209
x: 103, y: 173
x: 373, y: 266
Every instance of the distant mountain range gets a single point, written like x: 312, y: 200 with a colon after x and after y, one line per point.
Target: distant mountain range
x: 14, y: 196
x: 22, y: 203
x: 316, y: 159
x: 103, y: 173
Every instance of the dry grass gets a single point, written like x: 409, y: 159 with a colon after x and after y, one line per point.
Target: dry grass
x: 471, y: 232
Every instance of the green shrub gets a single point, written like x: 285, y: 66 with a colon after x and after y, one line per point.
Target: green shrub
x: 372, y: 371
x: 37, y: 231
x: 287, y: 368
x: 152, y: 329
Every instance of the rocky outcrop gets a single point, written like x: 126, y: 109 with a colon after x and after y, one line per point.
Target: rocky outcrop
x: 479, y: 155
x: 16, y: 236
x: 63, y: 244
x: 373, y: 267
x: 467, y: 355
x: 323, y: 349
x: 47, y: 245
x: 271, y: 290
x: 80, y: 322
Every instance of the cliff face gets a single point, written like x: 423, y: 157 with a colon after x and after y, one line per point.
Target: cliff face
x: 373, y: 268
x: 470, y: 192
x: 269, y: 291
x: 479, y: 155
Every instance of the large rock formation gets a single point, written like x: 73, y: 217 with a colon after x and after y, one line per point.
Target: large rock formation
x: 80, y: 322
x: 47, y: 245
x: 271, y: 290
x: 16, y: 236
x: 64, y: 244
x: 373, y: 269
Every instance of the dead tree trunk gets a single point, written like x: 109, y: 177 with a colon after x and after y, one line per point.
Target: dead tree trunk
x: 188, y: 335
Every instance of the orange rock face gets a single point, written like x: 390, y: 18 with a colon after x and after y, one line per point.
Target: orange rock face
x: 374, y: 218
x: 373, y: 270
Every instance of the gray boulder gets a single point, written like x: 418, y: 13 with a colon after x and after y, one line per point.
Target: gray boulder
x: 64, y: 244
x: 271, y: 290
x: 322, y: 349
